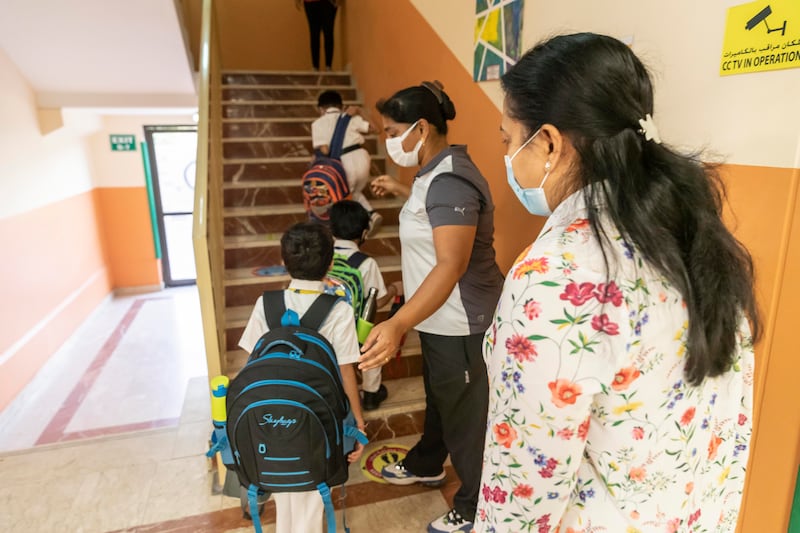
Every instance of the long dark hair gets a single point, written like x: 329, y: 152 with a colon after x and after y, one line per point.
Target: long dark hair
x: 428, y: 101
x: 667, y: 205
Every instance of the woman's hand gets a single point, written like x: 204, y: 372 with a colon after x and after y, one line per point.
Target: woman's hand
x: 383, y: 185
x: 381, y: 344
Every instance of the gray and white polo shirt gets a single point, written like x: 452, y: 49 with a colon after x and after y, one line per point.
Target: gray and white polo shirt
x: 450, y: 191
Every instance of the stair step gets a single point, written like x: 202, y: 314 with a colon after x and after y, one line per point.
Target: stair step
x: 258, y: 128
x: 273, y: 108
x: 261, y: 219
x: 406, y: 395
x: 244, y: 276
x: 265, y: 192
x: 242, y: 170
x: 232, y: 242
x: 277, y: 147
x: 285, y: 209
x: 257, y: 250
x: 285, y: 78
x: 309, y: 93
x: 291, y: 159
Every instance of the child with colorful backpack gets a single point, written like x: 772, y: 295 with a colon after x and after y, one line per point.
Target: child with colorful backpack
x: 350, y: 224
x: 355, y: 159
x: 307, y: 252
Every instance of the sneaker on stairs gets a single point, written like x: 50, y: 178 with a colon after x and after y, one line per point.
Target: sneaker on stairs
x: 450, y: 522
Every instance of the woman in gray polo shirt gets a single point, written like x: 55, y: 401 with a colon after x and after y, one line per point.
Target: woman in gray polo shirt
x: 452, y: 285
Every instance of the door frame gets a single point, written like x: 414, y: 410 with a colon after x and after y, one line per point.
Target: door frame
x: 162, y: 234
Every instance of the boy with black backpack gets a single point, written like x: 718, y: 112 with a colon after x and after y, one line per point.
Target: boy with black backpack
x: 307, y: 252
x: 355, y: 159
x: 350, y: 226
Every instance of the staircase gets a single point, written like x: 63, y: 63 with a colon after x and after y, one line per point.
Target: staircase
x: 266, y: 147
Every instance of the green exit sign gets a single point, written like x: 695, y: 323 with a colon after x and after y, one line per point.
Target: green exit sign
x: 123, y: 143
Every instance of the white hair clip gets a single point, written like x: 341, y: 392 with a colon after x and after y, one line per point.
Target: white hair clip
x: 649, y: 129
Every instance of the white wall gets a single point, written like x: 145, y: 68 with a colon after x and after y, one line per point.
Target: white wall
x: 125, y: 169
x: 36, y: 169
x: 749, y: 119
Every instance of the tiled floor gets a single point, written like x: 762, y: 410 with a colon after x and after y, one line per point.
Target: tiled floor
x: 111, y: 436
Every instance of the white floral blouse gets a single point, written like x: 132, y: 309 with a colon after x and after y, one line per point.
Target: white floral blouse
x: 592, y: 427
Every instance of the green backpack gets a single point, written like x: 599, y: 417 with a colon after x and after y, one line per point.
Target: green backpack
x: 345, y: 280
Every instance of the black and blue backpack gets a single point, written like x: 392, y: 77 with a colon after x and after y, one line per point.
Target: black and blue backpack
x: 290, y: 426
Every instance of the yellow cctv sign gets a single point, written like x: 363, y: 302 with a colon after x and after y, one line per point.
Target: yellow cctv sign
x: 762, y: 35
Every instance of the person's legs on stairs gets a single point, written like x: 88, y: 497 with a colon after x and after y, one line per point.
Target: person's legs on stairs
x: 464, y: 412
x: 329, y: 17
x: 427, y: 457
x: 314, y: 17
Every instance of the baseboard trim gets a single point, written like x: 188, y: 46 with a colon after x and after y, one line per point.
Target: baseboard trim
x: 138, y: 289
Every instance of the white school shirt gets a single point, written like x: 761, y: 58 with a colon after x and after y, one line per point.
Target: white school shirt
x: 322, y: 129
x: 370, y: 271
x: 339, y: 327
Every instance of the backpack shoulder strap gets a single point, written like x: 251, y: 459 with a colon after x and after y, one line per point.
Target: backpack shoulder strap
x: 274, y: 308
x: 356, y: 259
x: 337, y: 141
x: 319, y: 311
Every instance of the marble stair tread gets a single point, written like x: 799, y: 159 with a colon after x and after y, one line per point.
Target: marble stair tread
x: 284, y: 102
x: 284, y: 209
x: 285, y: 86
x: 301, y: 159
x: 274, y: 239
x: 288, y: 72
x: 406, y: 395
x: 271, y: 119
x: 245, y: 276
x: 295, y: 138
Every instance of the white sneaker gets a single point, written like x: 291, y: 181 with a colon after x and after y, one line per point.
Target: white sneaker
x: 375, y: 222
x: 450, y: 522
x: 396, y: 474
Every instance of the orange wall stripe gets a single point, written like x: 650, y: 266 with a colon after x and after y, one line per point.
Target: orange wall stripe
x: 52, y: 275
x: 127, y: 236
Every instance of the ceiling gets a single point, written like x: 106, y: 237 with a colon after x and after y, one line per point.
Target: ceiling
x: 99, y: 53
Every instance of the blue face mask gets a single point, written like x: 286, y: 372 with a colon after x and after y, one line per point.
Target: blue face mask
x: 533, y: 199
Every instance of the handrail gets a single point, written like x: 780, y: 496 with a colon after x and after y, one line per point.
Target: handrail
x: 202, y: 212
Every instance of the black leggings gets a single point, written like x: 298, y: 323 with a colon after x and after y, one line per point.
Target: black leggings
x: 320, y: 15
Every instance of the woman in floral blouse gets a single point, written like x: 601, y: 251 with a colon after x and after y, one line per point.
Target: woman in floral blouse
x: 620, y: 357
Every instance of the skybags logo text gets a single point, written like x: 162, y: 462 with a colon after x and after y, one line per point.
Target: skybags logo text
x: 285, y: 423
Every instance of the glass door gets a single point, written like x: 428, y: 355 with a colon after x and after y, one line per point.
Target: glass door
x: 172, y: 151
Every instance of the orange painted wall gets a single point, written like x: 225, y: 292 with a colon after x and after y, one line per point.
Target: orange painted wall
x: 269, y: 35
x: 389, y: 51
x: 53, y: 255
x: 775, y: 448
x: 127, y: 236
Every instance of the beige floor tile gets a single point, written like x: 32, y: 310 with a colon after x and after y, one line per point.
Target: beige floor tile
x: 111, y: 499
x: 35, y: 507
x: 180, y: 487
x: 192, y: 439
x: 401, y: 515
x: 196, y: 405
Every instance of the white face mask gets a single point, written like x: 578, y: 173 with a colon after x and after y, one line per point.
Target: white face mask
x: 394, y: 147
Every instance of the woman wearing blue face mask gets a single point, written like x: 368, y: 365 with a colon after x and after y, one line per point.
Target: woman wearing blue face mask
x: 620, y: 359
x: 451, y: 282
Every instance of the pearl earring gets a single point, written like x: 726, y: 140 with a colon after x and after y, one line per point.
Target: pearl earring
x: 547, y: 166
